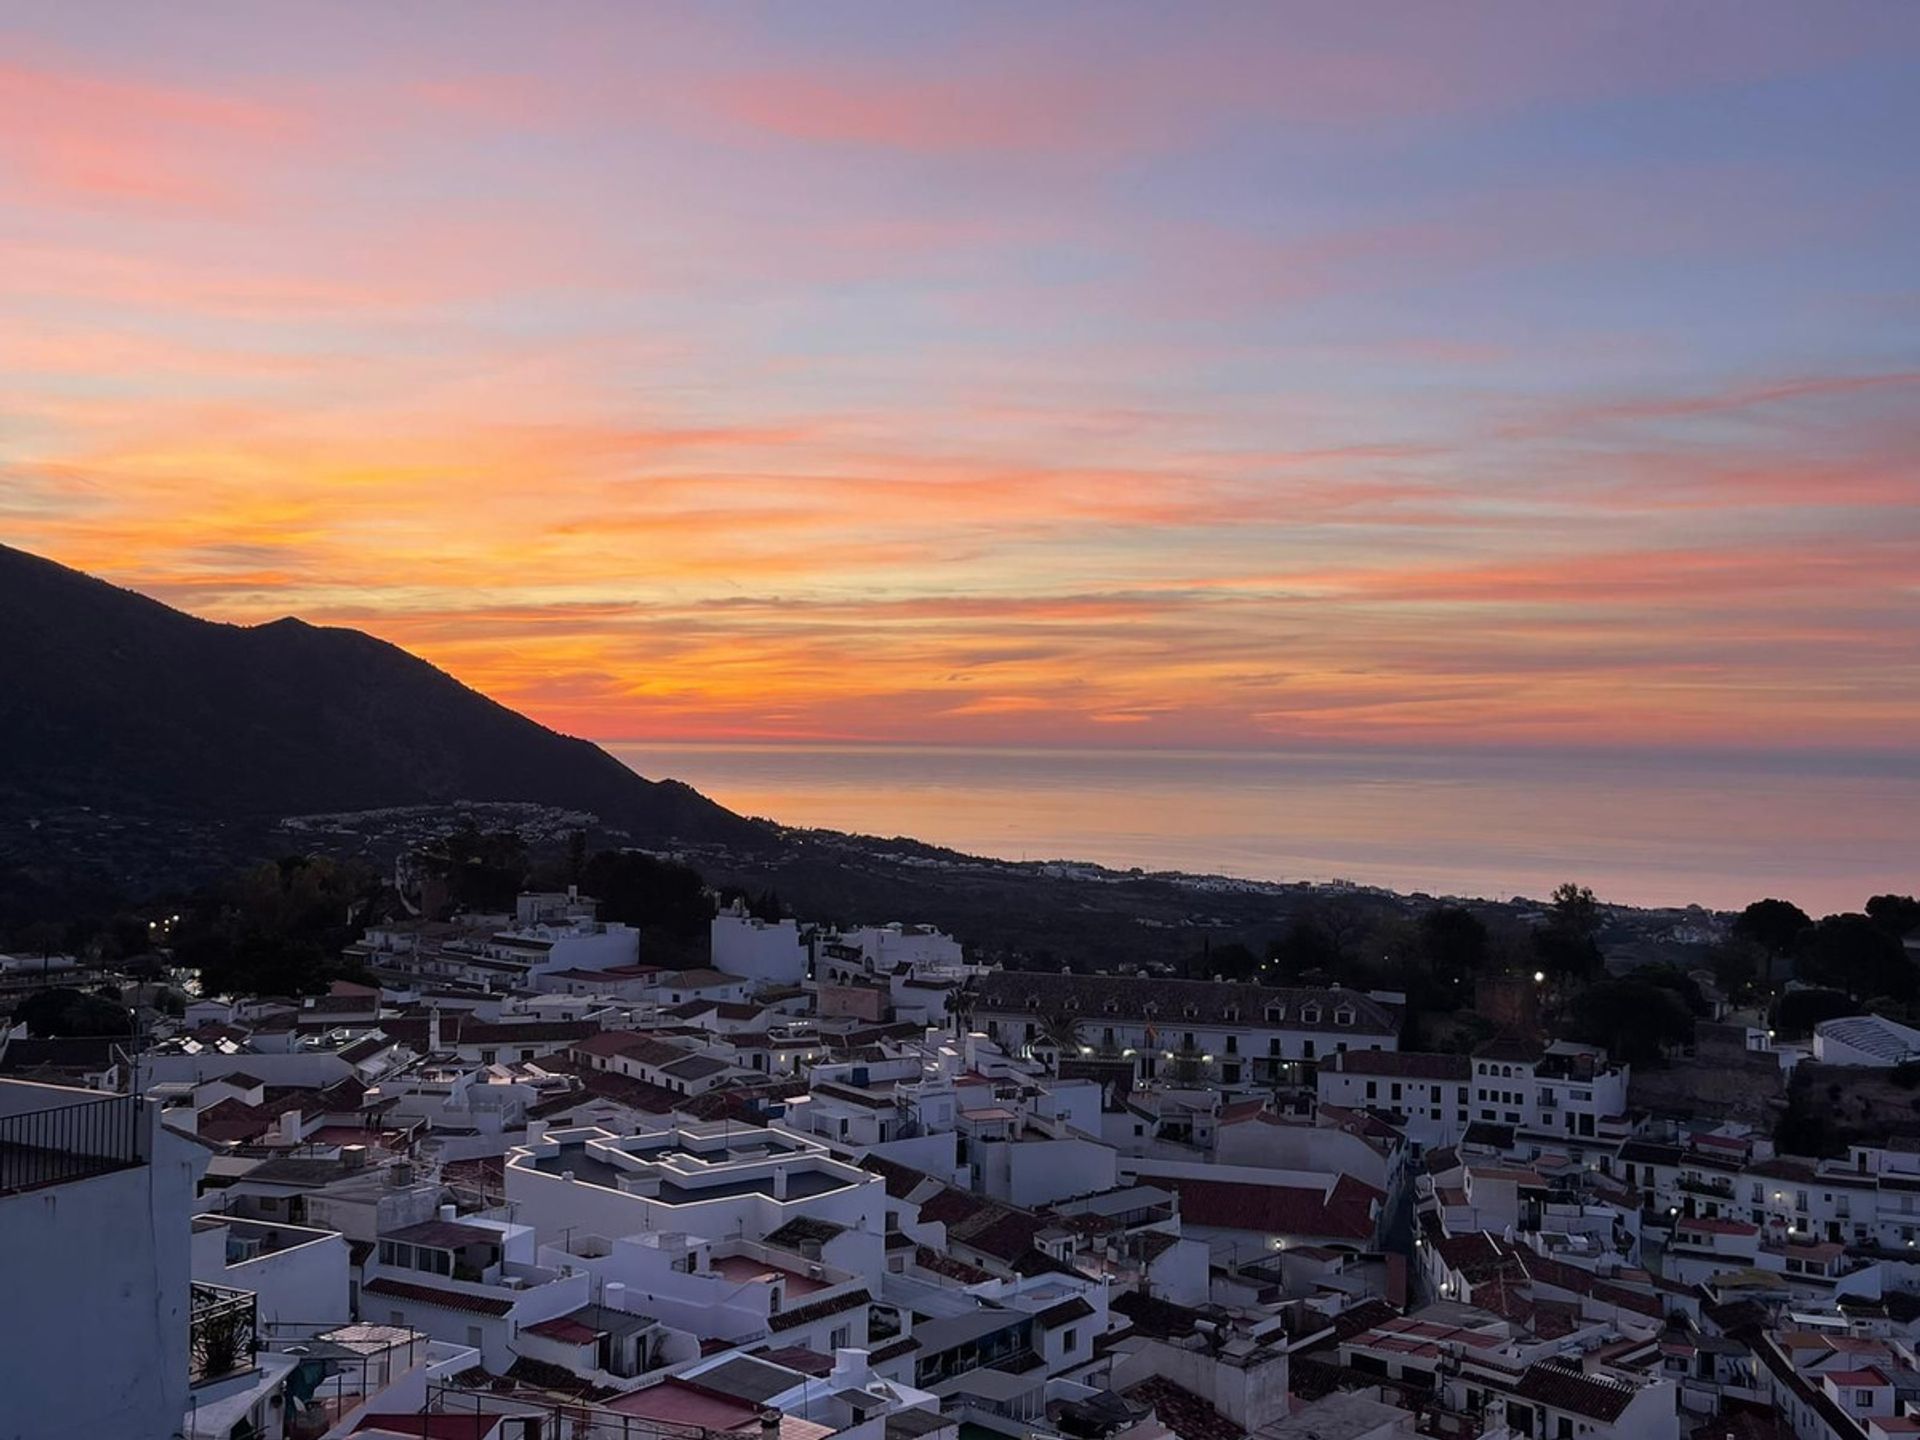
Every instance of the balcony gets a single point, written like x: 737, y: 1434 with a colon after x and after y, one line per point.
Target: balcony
x: 1697, y: 1185
x: 64, y: 1143
x: 221, y: 1337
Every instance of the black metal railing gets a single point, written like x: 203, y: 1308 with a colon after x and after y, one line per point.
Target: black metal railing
x: 221, y: 1332
x: 68, y: 1142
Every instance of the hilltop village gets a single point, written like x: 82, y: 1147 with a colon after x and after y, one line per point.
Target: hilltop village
x: 524, y: 1179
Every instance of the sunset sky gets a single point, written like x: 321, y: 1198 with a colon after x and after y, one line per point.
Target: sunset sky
x: 1196, y: 376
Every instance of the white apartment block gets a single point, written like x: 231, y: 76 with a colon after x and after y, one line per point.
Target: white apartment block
x: 1426, y: 1095
x: 1188, y: 1032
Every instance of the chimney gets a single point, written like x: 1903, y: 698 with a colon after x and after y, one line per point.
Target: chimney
x: 536, y: 1131
x: 779, y: 1182
x: 614, y: 1297
x: 433, y: 1031
x: 449, y: 1212
x: 769, y: 1425
x: 850, y: 1369
x: 353, y: 1157
x: 290, y: 1127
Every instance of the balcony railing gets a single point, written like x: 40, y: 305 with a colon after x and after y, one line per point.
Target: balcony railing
x: 221, y: 1335
x: 68, y: 1142
x: 1697, y: 1185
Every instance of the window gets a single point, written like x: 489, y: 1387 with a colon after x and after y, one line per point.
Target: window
x: 841, y: 1337
x: 1273, y: 1049
x: 1233, y: 1044
x: 1396, y: 1090
x: 1306, y: 1049
x: 1276, y: 1013
x: 474, y: 1338
x: 1310, y: 1015
x: 1186, y: 1041
x: 1343, y: 1016
x: 1373, y: 1090
x: 1232, y: 1012
x: 1069, y: 1340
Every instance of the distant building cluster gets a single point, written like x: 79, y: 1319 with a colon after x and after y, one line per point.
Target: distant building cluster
x: 842, y: 1182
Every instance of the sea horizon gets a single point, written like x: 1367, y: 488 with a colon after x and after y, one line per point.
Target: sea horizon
x: 1667, y: 828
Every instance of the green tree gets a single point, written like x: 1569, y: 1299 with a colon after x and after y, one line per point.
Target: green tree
x: 1898, y: 915
x: 1574, y: 910
x: 1851, y: 953
x: 1305, y: 949
x: 1231, y: 961
x: 1634, y: 1018
x: 62, y: 1011
x: 1453, y: 942
x: 276, y: 929
x: 663, y: 897
x: 1564, y: 947
x: 1737, y: 966
x: 1775, y: 927
x: 1800, y: 1010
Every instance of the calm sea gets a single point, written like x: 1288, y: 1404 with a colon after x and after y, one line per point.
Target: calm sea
x: 1720, y: 830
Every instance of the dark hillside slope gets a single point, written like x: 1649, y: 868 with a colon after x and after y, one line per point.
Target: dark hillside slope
x: 113, y: 700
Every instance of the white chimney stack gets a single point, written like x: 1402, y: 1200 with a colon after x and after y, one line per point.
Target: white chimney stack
x: 290, y: 1127
x: 536, y: 1131
x: 615, y: 1295
x: 850, y: 1369
x: 449, y: 1212
x: 433, y: 1031
x: 779, y: 1182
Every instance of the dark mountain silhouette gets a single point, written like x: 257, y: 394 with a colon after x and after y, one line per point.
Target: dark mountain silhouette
x: 113, y: 700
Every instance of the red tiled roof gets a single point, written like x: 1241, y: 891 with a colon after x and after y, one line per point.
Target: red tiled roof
x: 1571, y: 1391
x: 564, y: 1328
x: 819, y: 1310
x: 1344, y: 1213
x: 1188, y: 1415
x: 432, y: 1295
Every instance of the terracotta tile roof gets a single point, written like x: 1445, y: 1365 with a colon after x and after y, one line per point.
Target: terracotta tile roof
x: 432, y: 1295
x: 819, y: 1310
x: 1064, y: 1313
x: 1165, y: 1002
x: 564, y: 1328
x: 1512, y: 1049
x: 901, y: 1180
x: 1578, y: 1394
x: 1344, y: 1213
x: 1186, y: 1414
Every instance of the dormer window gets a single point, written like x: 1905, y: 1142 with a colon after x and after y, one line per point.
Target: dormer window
x: 1232, y: 1012
x: 1072, y: 1003
x: 1112, y: 1007
x: 1310, y: 1014
x: 1343, y: 1016
x: 1033, y: 1002
x: 1190, y: 1010
x: 1276, y: 1013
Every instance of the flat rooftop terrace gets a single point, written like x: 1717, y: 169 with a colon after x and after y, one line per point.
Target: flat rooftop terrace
x: 802, y: 1182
